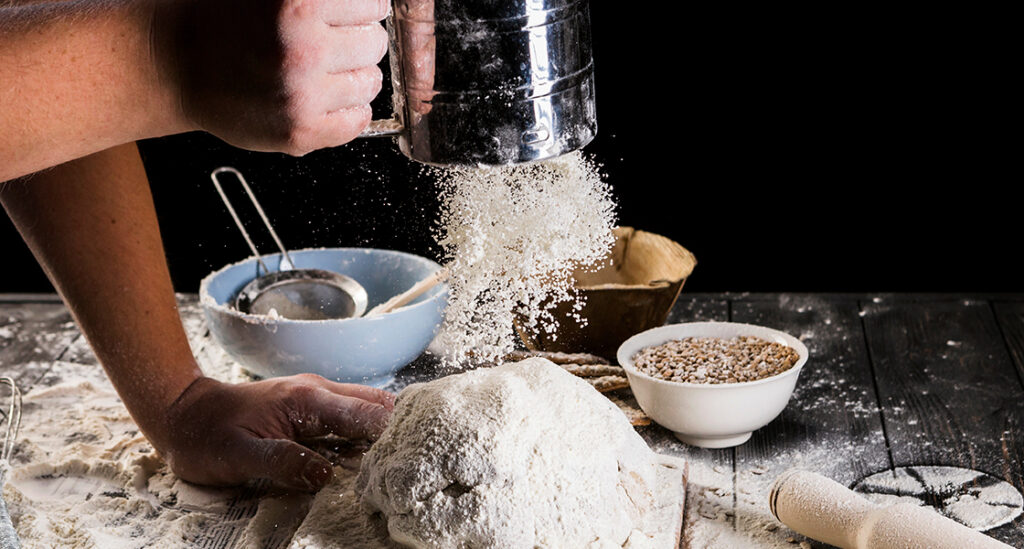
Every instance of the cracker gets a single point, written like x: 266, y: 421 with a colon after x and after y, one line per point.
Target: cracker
x: 557, y: 358
x: 594, y: 370
x: 608, y: 383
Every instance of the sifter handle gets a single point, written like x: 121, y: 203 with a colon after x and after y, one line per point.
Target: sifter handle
x: 238, y: 222
x: 383, y: 128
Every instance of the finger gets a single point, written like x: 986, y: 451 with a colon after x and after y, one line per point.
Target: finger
x: 357, y: 46
x: 365, y: 392
x: 344, y: 125
x: 286, y: 463
x: 328, y: 130
x: 322, y: 412
x: 369, y: 394
x: 353, y: 12
x: 347, y: 90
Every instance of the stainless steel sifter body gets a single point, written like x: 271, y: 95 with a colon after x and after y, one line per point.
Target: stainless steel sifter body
x: 489, y: 82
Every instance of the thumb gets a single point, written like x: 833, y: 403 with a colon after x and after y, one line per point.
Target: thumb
x: 285, y: 463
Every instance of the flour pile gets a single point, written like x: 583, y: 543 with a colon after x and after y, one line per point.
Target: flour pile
x: 518, y: 456
x: 512, y: 236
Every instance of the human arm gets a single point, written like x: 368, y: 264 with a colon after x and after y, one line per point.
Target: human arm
x: 82, y: 76
x: 92, y: 226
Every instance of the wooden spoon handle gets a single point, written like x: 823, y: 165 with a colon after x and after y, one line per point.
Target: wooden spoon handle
x: 405, y: 297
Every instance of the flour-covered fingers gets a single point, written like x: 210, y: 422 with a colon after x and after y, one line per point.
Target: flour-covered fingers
x: 328, y: 130
x: 353, y: 12
x: 355, y: 47
x: 371, y: 394
x: 287, y: 464
x: 348, y: 89
x: 317, y: 412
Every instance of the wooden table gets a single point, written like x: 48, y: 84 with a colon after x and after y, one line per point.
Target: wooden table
x: 893, y: 380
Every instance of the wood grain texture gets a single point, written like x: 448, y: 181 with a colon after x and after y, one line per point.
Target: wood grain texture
x: 832, y: 424
x: 949, y: 390
x: 893, y: 379
x: 711, y: 481
x: 1010, y: 315
x: 32, y: 337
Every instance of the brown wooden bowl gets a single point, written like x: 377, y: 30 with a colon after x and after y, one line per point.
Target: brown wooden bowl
x: 632, y: 291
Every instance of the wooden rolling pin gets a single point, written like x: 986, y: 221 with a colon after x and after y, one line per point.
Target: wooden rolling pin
x: 827, y: 511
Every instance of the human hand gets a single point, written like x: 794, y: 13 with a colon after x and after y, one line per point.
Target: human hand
x: 273, y: 75
x: 222, y: 434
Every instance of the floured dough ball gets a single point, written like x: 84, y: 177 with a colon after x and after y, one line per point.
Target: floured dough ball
x: 521, y: 455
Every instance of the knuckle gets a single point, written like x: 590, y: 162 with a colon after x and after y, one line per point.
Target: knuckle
x: 304, y: 136
x: 300, y: 9
x: 306, y: 57
x: 271, y: 456
x: 301, y: 392
x: 297, y: 143
x: 313, y: 379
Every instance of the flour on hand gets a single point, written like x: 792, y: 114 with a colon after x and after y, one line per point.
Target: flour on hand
x: 520, y: 455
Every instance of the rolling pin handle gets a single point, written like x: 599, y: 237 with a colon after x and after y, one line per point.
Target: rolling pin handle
x: 822, y: 509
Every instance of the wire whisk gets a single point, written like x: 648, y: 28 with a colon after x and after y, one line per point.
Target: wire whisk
x: 12, y: 424
x: 12, y: 418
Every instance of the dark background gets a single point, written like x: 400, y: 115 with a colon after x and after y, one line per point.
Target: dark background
x: 816, y: 149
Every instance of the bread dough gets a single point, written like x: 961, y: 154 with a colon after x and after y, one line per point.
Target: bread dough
x: 520, y: 455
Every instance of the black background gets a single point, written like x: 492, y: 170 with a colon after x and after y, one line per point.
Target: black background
x: 815, y: 149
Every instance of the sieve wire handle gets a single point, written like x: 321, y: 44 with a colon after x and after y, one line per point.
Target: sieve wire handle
x: 286, y: 264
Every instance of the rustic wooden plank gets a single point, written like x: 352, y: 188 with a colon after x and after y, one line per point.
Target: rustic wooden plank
x: 14, y: 298
x: 865, y: 296
x: 1010, y: 316
x: 832, y: 424
x: 192, y: 320
x: 949, y: 391
x: 699, y: 308
x: 710, y: 502
x: 32, y: 337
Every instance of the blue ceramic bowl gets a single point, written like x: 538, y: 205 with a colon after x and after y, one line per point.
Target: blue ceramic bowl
x: 351, y: 350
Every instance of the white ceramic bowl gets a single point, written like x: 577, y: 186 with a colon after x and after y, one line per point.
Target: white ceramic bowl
x: 711, y: 415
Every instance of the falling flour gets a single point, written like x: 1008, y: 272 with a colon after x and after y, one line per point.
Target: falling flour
x: 512, y: 236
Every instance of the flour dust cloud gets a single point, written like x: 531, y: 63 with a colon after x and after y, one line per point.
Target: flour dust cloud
x: 512, y: 236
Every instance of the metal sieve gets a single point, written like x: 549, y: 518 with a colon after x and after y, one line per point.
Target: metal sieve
x: 487, y: 82
x: 296, y: 294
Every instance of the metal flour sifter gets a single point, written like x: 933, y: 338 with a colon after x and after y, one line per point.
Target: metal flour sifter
x: 482, y: 82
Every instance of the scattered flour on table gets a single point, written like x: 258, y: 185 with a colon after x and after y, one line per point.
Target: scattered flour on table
x: 83, y: 476
x: 517, y: 456
x: 728, y: 509
x: 512, y: 236
x: 969, y: 497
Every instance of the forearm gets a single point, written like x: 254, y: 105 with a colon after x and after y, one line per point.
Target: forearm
x: 92, y: 226
x: 78, y: 77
